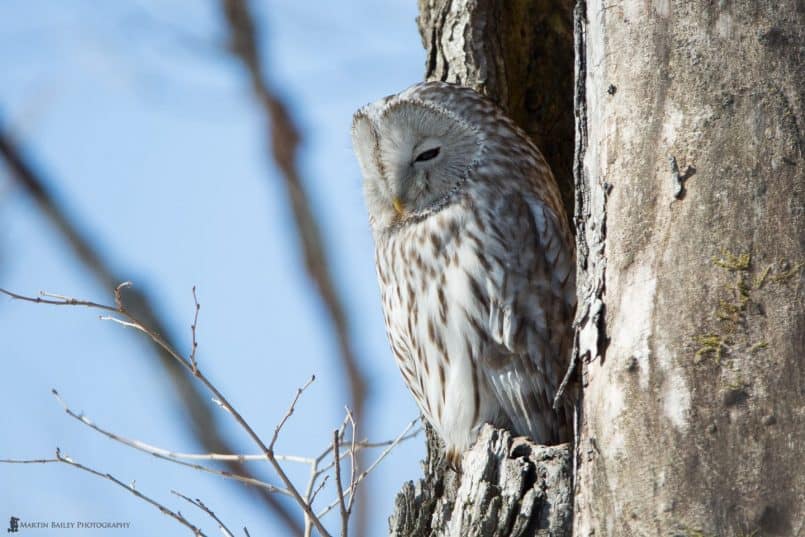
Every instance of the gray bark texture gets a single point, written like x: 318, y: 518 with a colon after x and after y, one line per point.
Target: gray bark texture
x: 685, y: 121
x: 520, y: 54
x: 690, y: 228
x: 508, y: 486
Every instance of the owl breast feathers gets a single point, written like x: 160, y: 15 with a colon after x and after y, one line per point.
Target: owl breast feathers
x: 475, y: 261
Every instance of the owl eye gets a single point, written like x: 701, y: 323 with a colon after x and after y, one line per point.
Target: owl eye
x: 427, y: 155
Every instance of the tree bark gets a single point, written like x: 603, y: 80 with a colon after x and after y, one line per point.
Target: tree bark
x: 509, y: 486
x: 520, y: 54
x: 691, y: 232
x: 688, y: 183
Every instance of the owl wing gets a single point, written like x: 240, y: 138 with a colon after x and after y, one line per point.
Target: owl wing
x: 531, y: 306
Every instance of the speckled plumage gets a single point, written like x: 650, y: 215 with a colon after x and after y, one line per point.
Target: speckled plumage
x: 475, y: 261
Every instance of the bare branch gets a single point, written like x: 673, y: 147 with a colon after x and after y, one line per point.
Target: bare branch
x: 352, y: 465
x: 204, y: 427
x: 166, y: 454
x: 318, y: 489
x: 198, y: 503
x: 131, y: 321
x: 28, y: 461
x: 109, y: 477
x: 405, y: 435
x: 342, y: 505
x: 314, y: 486
x: 402, y: 436
x: 290, y: 411
x: 193, y: 341
x: 394, y: 443
x: 58, y: 301
x: 118, y: 291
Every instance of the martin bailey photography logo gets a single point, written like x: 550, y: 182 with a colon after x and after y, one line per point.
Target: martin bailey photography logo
x: 16, y: 524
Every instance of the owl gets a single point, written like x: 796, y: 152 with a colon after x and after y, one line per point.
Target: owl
x: 475, y: 262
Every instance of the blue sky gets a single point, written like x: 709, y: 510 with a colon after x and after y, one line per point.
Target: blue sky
x: 148, y: 134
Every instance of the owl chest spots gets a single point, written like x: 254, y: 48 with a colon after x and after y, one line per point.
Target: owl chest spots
x: 434, y: 301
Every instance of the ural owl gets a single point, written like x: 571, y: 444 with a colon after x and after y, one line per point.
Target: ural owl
x: 475, y: 261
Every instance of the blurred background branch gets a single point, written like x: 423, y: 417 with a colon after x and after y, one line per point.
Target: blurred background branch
x: 130, y: 150
x: 318, y: 476
x: 283, y: 138
x: 198, y: 410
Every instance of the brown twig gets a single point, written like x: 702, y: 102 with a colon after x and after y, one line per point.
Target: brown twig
x: 67, y: 460
x: 284, y: 140
x: 204, y: 426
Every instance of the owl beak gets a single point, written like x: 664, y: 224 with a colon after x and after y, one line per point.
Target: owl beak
x: 399, y: 206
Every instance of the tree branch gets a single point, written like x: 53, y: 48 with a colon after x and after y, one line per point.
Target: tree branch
x: 169, y: 455
x: 204, y: 425
x: 129, y: 320
x: 198, y: 503
x: 284, y: 142
x: 346, y: 499
x: 60, y: 458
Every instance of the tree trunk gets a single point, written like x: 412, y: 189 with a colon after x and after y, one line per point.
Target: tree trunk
x: 688, y: 187
x: 520, y: 54
x: 691, y: 234
x: 508, y: 487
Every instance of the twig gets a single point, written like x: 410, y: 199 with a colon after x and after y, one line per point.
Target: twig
x: 342, y: 505
x: 61, y: 301
x: 179, y: 458
x: 310, y: 492
x: 28, y: 461
x: 314, y: 486
x: 193, y: 341
x: 67, y: 460
x: 35, y: 184
x: 364, y: 445
x: 352, y: 465
x: 377, y: 461
x: 130, y: 321
x: 289, y: 412
x: 318, y: 489
x: 198, y: 503
x: 165, y: 454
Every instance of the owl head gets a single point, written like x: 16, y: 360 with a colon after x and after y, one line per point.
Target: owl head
x: 415, y: 149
